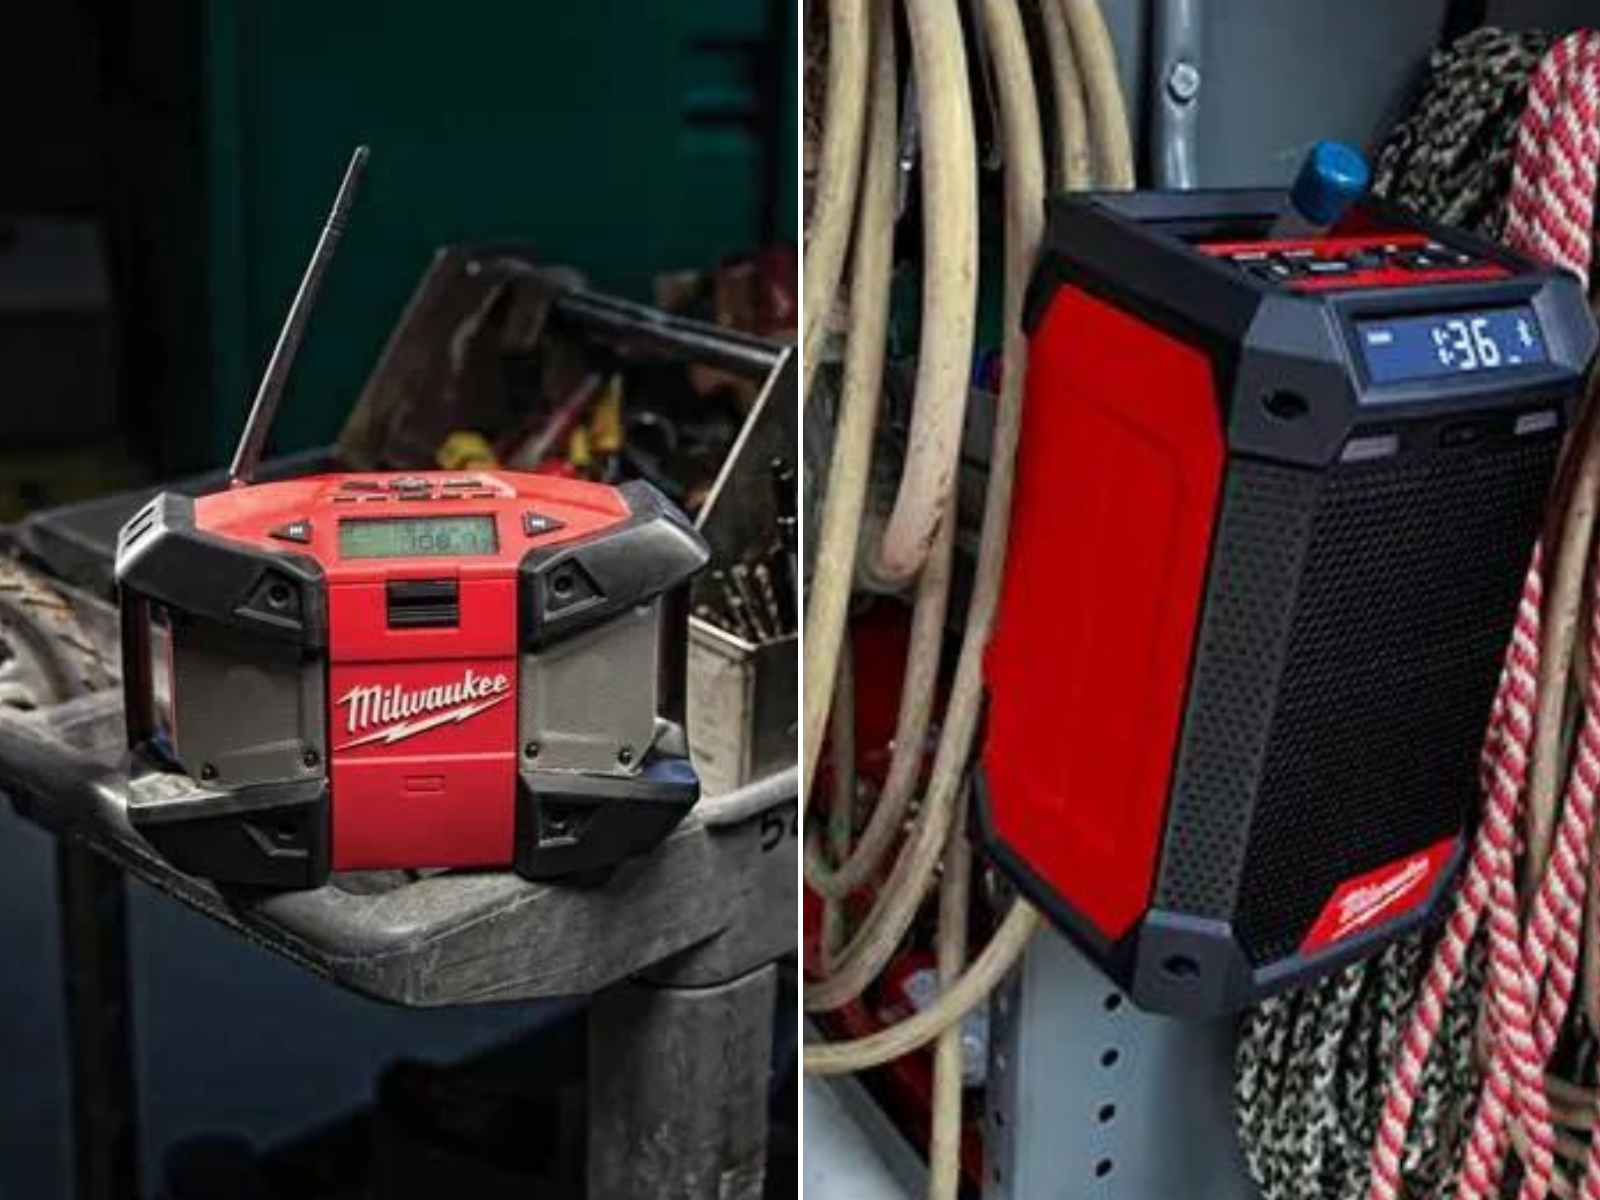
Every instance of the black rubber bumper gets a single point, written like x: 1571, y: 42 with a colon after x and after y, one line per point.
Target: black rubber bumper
x: 571, y: 823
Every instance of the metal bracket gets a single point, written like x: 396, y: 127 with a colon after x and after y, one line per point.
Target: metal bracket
x: 1175, y: 93
x: 1090, y: 1099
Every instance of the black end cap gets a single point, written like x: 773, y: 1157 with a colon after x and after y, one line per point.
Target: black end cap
x: 1189, y: 966
x: 273, y: 594
x: 273, y: 836
x: 570, y: 824
x: 567, y: 588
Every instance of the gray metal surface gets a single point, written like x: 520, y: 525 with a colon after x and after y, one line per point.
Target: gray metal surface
x: 97, y: 1001
x: 250, y: 710
x: 853, y: 1151
x: 768, y: 806
x: 455, y: 938
x: 1177, y: 81
x: 1282, y: 76
x: 1090, y: 1098
x: 1277, y: 77
x: 570, y: 707
x: 742, y: 716
x: 678, y: 1093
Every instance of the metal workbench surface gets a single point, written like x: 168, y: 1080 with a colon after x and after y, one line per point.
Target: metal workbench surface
x: 717, y: 894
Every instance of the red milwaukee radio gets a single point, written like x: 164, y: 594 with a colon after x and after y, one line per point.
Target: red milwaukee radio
x: 1276, y: 497
x: 435, y: 669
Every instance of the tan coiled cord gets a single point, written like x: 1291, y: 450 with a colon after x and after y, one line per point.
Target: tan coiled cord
x: 949, y: 290
x: 837, y: 173
x: 1083, y: 68
x: 872, y: 257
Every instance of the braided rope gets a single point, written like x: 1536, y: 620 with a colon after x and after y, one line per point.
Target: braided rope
x: 1450, y: 156
x: 1550, y: 215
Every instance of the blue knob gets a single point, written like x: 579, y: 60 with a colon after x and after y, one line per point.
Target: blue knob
x: 1332, y: 175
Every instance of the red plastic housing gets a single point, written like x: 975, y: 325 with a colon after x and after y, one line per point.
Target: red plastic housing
x: 436, y: 785
x: 1126, y: 442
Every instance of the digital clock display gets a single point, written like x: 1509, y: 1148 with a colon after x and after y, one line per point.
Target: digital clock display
x: 1397, y: 349
x: 417, y: 537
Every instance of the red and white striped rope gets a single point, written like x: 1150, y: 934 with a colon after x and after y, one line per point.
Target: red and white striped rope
x: 1532, y: 967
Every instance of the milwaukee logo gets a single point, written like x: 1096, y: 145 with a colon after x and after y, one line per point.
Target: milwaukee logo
x: 400, y: 712
x: 1386, y: 894
x: 1370, y: 901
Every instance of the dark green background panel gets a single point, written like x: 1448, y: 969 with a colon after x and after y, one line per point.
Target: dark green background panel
x: 620, y: 136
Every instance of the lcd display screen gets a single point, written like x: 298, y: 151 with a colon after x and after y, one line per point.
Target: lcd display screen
x: 417, y: 537
x: 1397, y: 349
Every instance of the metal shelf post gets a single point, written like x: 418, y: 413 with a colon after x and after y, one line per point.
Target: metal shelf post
x: 1090, y: 1099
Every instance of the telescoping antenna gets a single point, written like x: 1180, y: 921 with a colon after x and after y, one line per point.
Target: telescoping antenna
x: 253, y: 441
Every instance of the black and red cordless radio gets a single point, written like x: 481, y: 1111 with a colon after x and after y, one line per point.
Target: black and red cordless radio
x: 432, y: 669
x: 1275, y: 500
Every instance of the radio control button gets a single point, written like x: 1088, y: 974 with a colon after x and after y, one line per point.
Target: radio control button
x: 295, y: 531
x: 361, y: 485
x: 1441, y: 259
x: 408, y: 483
x: 1275, y: 272
x: 535, y: 524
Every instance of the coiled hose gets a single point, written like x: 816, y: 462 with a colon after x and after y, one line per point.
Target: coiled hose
x: 920, y: 544
x: 872, y: 249
x: 949, y: 291
x: 836, y: 176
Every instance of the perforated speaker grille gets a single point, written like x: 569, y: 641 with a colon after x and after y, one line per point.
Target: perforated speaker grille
x: 1365, y: 737
x: 1244, y: 633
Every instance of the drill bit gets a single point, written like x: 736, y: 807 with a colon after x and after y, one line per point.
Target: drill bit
x: 769, y: 600
x: 732, y: 614
x: 750, y: 603
x: 739, y: 620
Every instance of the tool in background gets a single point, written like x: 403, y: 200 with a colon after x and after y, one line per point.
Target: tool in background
x: 1331, y: 456
x: 754, y: 597
x: 399, y: 670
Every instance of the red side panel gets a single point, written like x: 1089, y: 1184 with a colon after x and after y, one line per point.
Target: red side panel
x: 1119, y: 473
